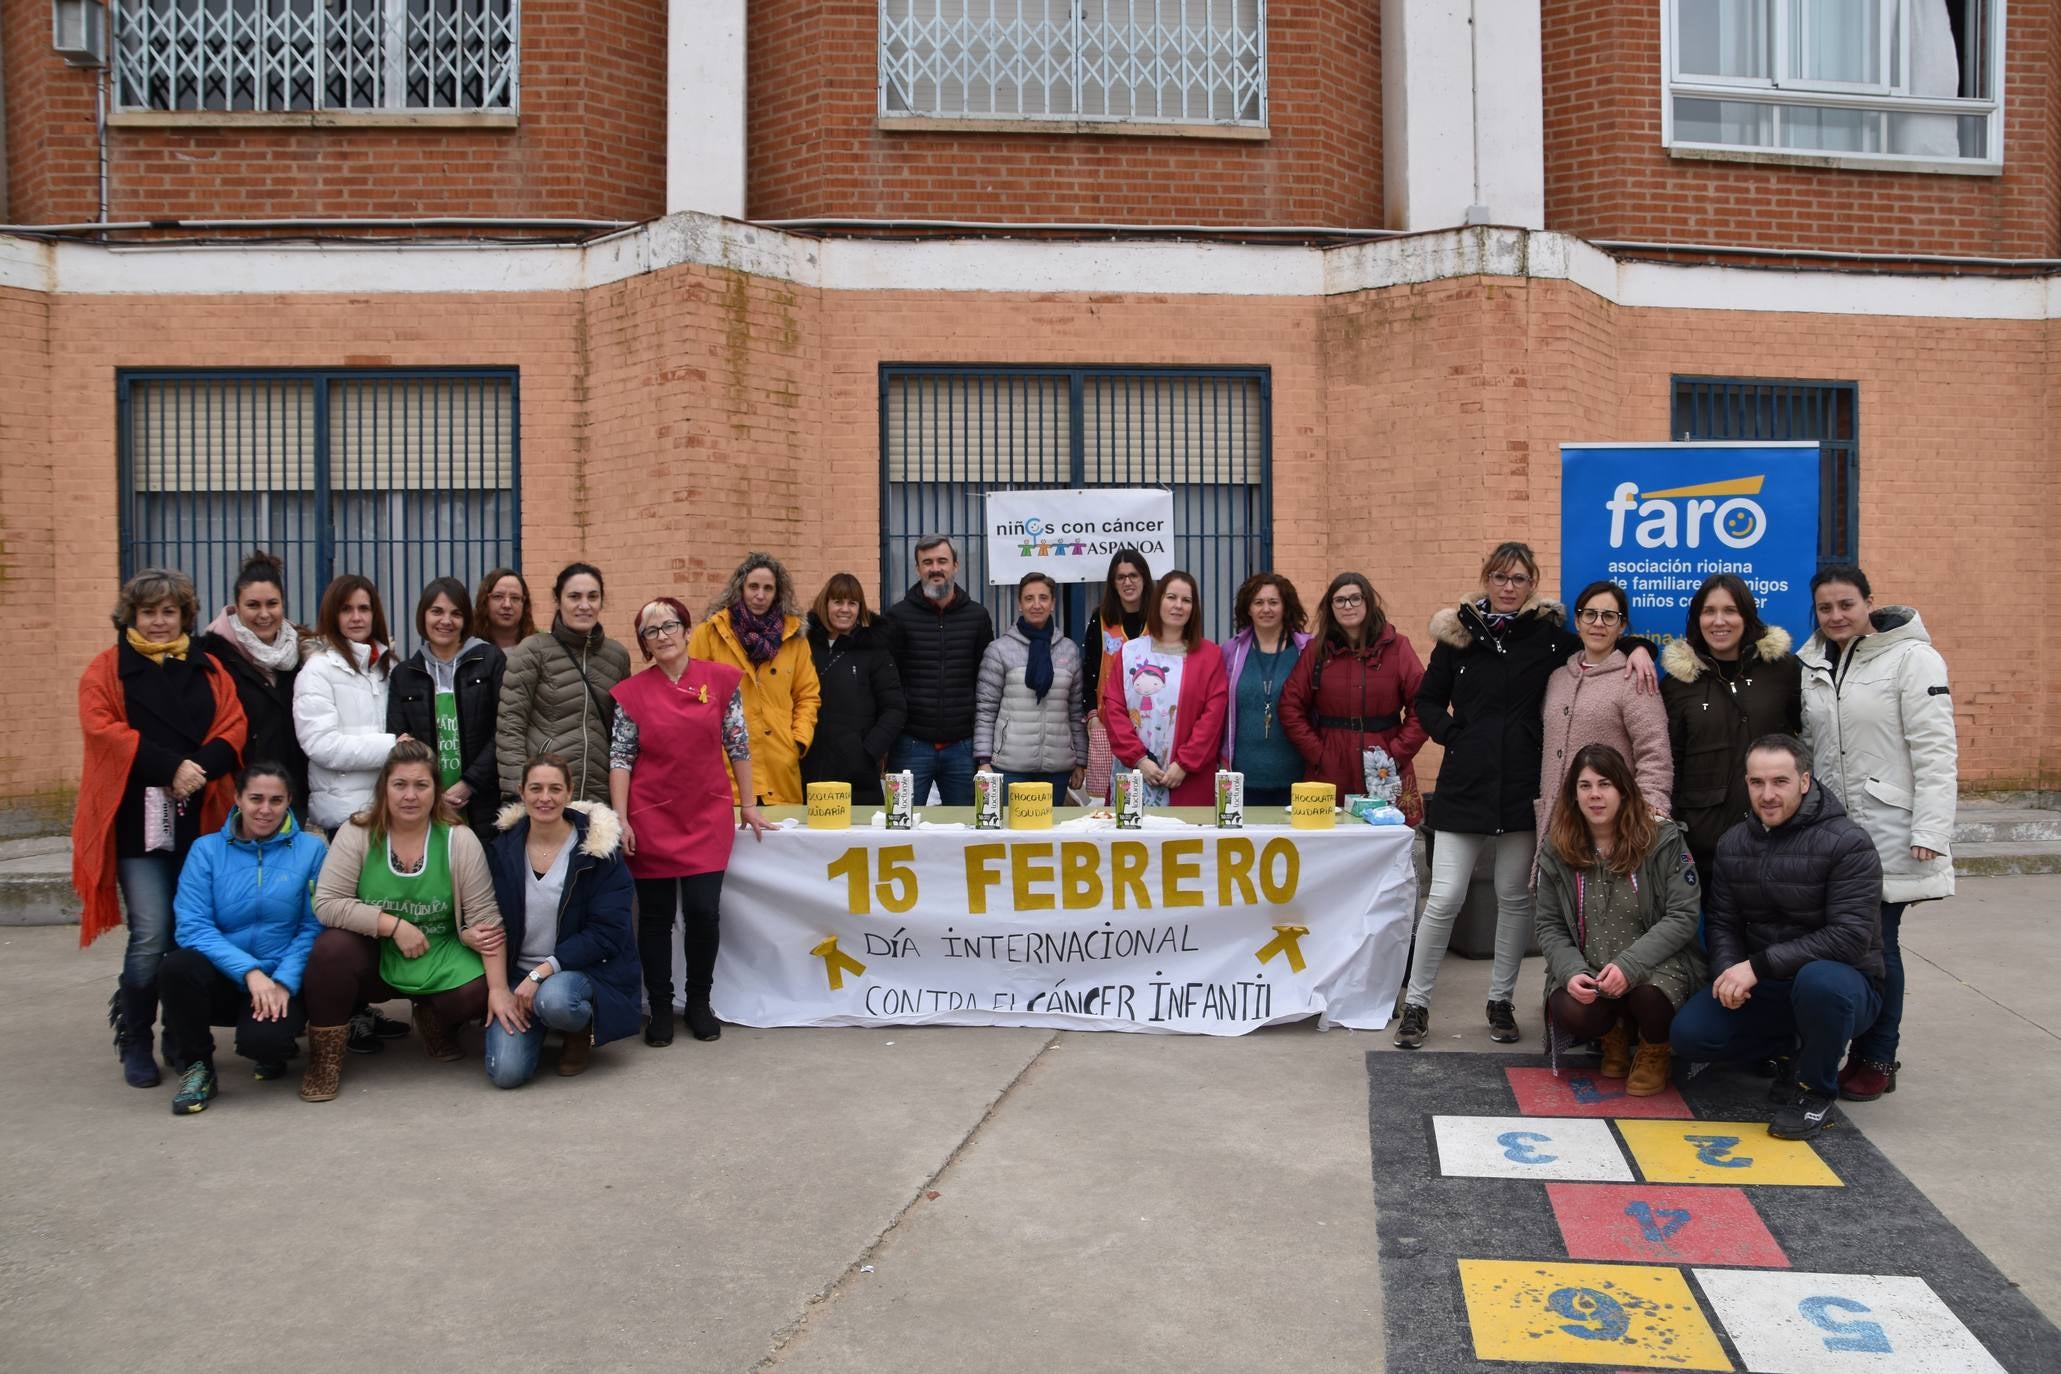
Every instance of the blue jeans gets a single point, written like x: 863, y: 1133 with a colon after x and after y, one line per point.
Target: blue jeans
x: 1879, y: 1042
x: 147, y: 883
x: 565, y: 1002
x: 1815, y: 1015
x: 951, y: 768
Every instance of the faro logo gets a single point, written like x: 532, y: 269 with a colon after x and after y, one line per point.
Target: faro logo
x: 1675, y: 518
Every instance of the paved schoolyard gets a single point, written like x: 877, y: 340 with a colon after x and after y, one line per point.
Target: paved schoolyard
x: 921, y: 1200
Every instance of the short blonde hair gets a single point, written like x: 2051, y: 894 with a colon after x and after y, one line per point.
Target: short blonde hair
x: 151, y: 586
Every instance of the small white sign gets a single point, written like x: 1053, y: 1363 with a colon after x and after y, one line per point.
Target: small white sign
x: 1784, y: 1322
x: 1069, y: 535
x: 1540, y: 1147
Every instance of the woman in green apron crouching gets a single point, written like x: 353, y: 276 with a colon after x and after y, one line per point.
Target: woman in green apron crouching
x: 408, y: 903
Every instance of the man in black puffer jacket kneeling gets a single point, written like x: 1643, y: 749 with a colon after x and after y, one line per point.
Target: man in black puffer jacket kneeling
x: 1793, y: 919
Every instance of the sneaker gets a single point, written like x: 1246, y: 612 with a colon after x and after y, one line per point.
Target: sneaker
x: 1785, y: 1091
x: 1809, y: 1114
x: 1502, y: 1019
x: 365, y: 1038
x: 265, y: 1070
x: 1864, y: 1080
x: 1416, y: 1021
x: 386, y: 1028
x: 196, y: 1089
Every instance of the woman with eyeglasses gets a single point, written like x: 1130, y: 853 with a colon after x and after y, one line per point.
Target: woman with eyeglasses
x: 1352, y: 698
x: 1480, y: 699
x: 1119, y: 619
x: 680, y: 740
x: 1589, y: 700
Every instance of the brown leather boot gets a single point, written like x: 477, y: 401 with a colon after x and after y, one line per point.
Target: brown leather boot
x: 1617, y: 1052
x: 437, y: 1039
x: 572, y: 1059
x: 1650, y: 1071
x: 324, y: 1076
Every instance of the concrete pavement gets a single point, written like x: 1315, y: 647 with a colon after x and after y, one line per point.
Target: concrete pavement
x: 1102, y: 1202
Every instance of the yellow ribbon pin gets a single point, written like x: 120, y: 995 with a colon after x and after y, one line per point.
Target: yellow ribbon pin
x: 1287, y: 940
x: 837, y: 963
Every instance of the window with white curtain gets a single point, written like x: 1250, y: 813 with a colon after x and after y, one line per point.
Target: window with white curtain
x: 1142, y: 61
x: 1912, y: 83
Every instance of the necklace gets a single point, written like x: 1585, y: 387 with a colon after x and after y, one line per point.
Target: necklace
x: 1269, y: 664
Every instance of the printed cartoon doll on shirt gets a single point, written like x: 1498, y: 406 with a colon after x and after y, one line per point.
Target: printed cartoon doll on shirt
x: 1147, y: 681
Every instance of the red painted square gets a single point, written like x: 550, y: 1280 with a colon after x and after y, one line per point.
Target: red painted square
x: 1658, y: 1224
x: 1584, y: 1092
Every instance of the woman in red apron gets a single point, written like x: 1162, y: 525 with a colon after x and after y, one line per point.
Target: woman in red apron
x: 679, y: 736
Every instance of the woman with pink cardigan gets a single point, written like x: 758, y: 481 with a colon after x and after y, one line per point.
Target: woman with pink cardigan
x: 1164, y: 700
x: 1590, y: 701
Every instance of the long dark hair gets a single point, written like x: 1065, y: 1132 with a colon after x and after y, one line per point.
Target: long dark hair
x: 1326, y: 629
x: 1751, y: 628
x: 1569, y: 835
x: 1191, y: 633
x: 1112, y: 608
x: 329, y: 623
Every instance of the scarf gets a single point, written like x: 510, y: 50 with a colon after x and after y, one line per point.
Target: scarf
x: 760, y: 634
x: 157, y: 652
x: 1037, y: 674
x: 1498, y: 622
x: 282, y: 655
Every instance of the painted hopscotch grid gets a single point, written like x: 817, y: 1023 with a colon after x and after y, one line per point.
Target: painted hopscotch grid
x: 1872, y: 1243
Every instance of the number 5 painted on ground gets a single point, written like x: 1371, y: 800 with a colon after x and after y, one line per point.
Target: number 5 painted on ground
x: 1862, y: 1337
x: 1595, y: 1316
x: 1712, y: 1149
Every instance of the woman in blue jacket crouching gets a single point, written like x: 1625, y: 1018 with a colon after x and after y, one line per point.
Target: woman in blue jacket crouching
x: 245, y: 916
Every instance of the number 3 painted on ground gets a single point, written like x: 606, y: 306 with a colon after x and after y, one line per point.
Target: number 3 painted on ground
x: 1596, y: 1316
x: 1712, y: 1149
x: 1517, y: 1147
x: 1863, y: 1337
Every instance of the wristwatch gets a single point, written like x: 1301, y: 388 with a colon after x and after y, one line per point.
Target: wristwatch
x: 537, y: 974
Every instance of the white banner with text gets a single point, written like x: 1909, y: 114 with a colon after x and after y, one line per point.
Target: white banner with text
x: 1193, y: 930
x: 1070, y: 535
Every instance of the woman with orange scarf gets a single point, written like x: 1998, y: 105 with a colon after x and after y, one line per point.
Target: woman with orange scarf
x: 164, y: 734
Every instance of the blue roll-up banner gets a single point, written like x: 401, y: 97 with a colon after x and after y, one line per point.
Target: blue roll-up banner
x: 1659, y: 518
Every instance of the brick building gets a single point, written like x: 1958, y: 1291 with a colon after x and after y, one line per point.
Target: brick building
x: 655, y: 284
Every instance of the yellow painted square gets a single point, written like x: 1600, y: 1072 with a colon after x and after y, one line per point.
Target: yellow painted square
x: 1624, y: 1315
x: 1740, y: 1152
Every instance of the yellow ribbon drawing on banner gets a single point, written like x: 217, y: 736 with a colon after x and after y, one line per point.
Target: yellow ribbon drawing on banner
x: 837, y: 963
x: 1287, y: 940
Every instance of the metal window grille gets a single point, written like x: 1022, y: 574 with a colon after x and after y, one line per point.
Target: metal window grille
x: 1744, y: 409
x: 305, y: 55
x: 400, y: 476
x: 949, y: 435
x: 1155, y: 61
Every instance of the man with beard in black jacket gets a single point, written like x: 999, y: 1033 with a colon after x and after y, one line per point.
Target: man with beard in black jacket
x: 938, y: 634
x: 1794, y: 926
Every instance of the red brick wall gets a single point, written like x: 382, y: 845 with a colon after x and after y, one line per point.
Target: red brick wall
x: 815, y: 152
x: 1607, y: 176
x: 590, y: 143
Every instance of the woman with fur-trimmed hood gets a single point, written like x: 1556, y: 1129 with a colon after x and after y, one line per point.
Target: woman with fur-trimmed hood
x: 567, y: 929
x: 752, y: 626
x: 1480, y: 699
x: 1729, y: 680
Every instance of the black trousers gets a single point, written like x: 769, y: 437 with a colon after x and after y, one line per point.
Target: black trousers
x: 196, y: 995
x: 694, y: 902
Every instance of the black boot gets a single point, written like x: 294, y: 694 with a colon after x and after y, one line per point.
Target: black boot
x: 131, y: 1011
x: 702, y: 939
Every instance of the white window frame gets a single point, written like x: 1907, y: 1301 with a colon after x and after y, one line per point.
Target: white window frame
x: 1834, y: 95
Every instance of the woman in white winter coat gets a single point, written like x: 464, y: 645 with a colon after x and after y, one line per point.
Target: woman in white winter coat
x: 1880, y: 725
x: 339, y: 702
x: 1027, y: 719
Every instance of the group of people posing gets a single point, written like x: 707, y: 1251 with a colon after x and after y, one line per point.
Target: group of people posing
x: 516, y: 822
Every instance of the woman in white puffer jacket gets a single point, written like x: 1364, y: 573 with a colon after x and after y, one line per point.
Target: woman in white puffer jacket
x: 1880, y: 725
x: 1027, y: 718
x: 339, y: 702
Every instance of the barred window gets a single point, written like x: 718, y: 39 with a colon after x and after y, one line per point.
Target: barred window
x: 1750, y: 409
x: 291, y: 56
x: 1145, y: 61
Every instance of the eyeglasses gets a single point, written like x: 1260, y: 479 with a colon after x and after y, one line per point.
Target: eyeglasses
x: 1130, y: 577
x: 1346, y: 603
x: 1510, y: 579
x: 1594, y: 617
x: 651, y: 632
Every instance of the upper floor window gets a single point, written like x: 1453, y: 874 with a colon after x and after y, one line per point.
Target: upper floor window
x: 301, y: 56
x: 1910, y: 83
x: 1134, y: 61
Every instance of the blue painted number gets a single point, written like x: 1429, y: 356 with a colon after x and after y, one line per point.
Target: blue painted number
x: 1712, y: 1149
x: 1517, y: 1147
x: 1660, y: 1226
x: 1863, y: 1337
x: 1593, y: 1316
x: 1585, y: 1090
